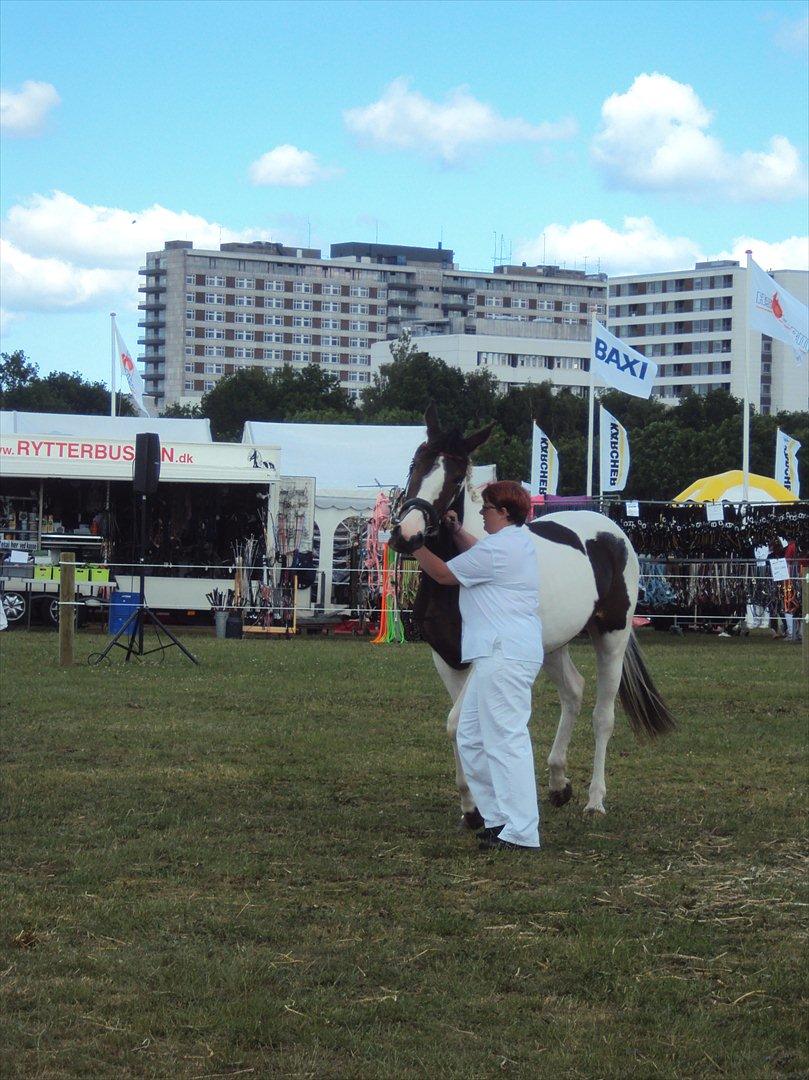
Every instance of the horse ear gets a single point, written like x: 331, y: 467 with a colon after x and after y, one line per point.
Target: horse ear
x: 431, y: 421
x: 478, y: 438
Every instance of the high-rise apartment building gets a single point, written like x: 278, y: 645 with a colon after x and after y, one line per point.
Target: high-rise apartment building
x: 210, y: 313
x: 694, y: 325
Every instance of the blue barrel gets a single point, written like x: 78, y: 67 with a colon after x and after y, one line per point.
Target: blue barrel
x: 122, y: 605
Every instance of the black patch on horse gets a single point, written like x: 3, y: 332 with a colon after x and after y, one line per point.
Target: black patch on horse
x: 557, y: 534
x: 436, y: 612
x: 608, y: 555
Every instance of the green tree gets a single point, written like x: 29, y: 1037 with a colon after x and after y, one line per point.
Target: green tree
x: 22, y: 388
x: 277, y: 395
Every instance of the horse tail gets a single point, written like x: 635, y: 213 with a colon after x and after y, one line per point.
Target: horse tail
x: 648, y: 714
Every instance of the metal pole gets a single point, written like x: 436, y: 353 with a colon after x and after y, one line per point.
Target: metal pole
x: 67, y: 613
x: 590, y: 409
x: 746, y: 406
x: 113, y: 359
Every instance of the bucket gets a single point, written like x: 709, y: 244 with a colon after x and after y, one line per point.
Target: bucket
x: 122, y: 605
x: 233, y: 625
x: 221, y: 620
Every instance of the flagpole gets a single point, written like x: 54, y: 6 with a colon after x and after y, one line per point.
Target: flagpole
x: 746, y: 414
x: 113, y: 358
x: 590, y: 410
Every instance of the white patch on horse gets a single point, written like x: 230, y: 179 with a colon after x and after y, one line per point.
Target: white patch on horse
x: 414, y: 521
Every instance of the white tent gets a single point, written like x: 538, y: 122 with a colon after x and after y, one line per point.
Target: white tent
x: 104, y: 427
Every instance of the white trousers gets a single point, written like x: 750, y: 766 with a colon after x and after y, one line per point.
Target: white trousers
x: 495, y: 747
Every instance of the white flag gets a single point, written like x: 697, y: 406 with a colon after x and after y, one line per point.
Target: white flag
x: 775, y: 312
x: 619, y: 365
x: 544, y: 464
x: 786, y: 462
x: 133, y: 376
x: 614, y: 452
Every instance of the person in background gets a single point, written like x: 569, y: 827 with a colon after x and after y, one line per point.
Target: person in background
x: 501, y: 637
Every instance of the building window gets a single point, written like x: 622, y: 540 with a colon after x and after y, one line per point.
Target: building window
x: 215, y: 280
x: 209, y: 384
x: 189, y: 313
x: 329, y: 305
x: 273, y: 335
x: 301, y: 320
x: 189, y: 331
x: 331, y: 290
x: 301, y: 357
x: 272, y: 354
x: 190, y: 279
x: 302, y: 286
x: 274, y: 302
x: 214, y: 316
x: 245, y: 283
x: 359, y: 309
x: 243, y: 335
x: 359, y: 358
x: 356, y: 343
x: 360, y: 290
x: 214, y: 350
x: 330, y: 358
x: 245, y: 317
x: 358, y: 326
x: 214, y: 298
x: 329, y: 340
x: 189, y: 298
x: 301, y: 305
x: 274, y: 286
x: 243, y: 301
x: 301, y: 339
x: 214, y: 333
x: 188, y: 384
x: 189, y: 369
x: 189, y: 350
x: 273, y: 320
x: 330, y: 324
x: 213, y: 369
x: 241, y: 353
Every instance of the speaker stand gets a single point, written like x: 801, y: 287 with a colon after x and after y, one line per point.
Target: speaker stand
x: 134, y: 626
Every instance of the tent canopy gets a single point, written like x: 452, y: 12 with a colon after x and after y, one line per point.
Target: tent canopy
x: 729, y: 487
x: 341, y: 455
x: 104, y: 427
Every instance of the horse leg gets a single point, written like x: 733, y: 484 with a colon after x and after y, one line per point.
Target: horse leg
x: 455, y: 682
x: 610, y: 648
x: 570, y: 686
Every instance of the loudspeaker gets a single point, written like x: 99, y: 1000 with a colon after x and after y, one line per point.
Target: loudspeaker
x: 147, y: 463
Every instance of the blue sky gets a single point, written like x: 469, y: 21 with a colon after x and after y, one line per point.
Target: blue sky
x: 637, y: 136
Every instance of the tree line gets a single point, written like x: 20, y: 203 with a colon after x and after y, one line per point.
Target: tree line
x: 670, y: 446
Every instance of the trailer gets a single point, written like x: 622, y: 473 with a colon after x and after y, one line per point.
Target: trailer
x: 66, y: 485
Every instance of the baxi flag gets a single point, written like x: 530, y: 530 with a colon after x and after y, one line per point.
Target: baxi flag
x: 614, y: 452
x: 775, y: 312
x: 133, y: 376
x: 544, y: 464
x: 619, y: 365
x: 786, y: 462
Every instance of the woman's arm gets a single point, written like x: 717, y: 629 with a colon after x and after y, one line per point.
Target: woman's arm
x: 462, y: 539
x: 434, y: 566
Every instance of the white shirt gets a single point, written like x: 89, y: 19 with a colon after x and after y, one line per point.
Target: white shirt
x: 499, y: 596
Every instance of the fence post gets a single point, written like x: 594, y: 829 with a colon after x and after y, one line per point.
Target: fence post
x: 805, y: 621
x: 67, y: 612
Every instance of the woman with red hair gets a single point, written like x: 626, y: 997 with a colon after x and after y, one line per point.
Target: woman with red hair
x: 501, y: 637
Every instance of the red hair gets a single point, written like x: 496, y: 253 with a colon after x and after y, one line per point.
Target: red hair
x: 509, y: 496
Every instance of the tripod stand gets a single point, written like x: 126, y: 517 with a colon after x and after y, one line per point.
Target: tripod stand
x: 134, y: 626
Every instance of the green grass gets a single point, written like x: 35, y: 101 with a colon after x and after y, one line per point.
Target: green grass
x: 252, y: 868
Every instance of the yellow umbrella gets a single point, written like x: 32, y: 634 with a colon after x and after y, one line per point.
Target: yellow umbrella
x: 729, y: 487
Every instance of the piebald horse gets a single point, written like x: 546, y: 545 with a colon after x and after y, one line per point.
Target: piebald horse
x: 588, y: 581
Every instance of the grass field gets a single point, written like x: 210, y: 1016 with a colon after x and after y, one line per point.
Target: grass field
x: 252, y: 868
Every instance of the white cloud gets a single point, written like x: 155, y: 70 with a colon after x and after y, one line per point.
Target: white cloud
x: 640, y: 247
x: 287, y: 166
x: 792, y: 35
x: 61, y: 254
x: 24, y: 112
x: 403, y: 119
x: 655, y: 138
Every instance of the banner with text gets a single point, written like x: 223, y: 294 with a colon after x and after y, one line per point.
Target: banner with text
x: 614, y: 457
x: 544, y: 464
x: 619, y: 365
x: 786, y: 462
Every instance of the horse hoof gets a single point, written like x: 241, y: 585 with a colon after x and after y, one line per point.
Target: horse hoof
x: 591, y: 811
x: 559, y: 798
x: 472, y: 820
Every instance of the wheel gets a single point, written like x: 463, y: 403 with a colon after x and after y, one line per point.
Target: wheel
x: 50, y: 612
x: 15, y: 606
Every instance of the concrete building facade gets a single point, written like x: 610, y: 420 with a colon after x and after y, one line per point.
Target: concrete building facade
x: 694, y: 325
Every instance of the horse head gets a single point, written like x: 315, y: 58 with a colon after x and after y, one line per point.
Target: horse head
x: 436, y: 479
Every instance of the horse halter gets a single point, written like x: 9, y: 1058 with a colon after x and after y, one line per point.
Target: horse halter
x: 432, y: 516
